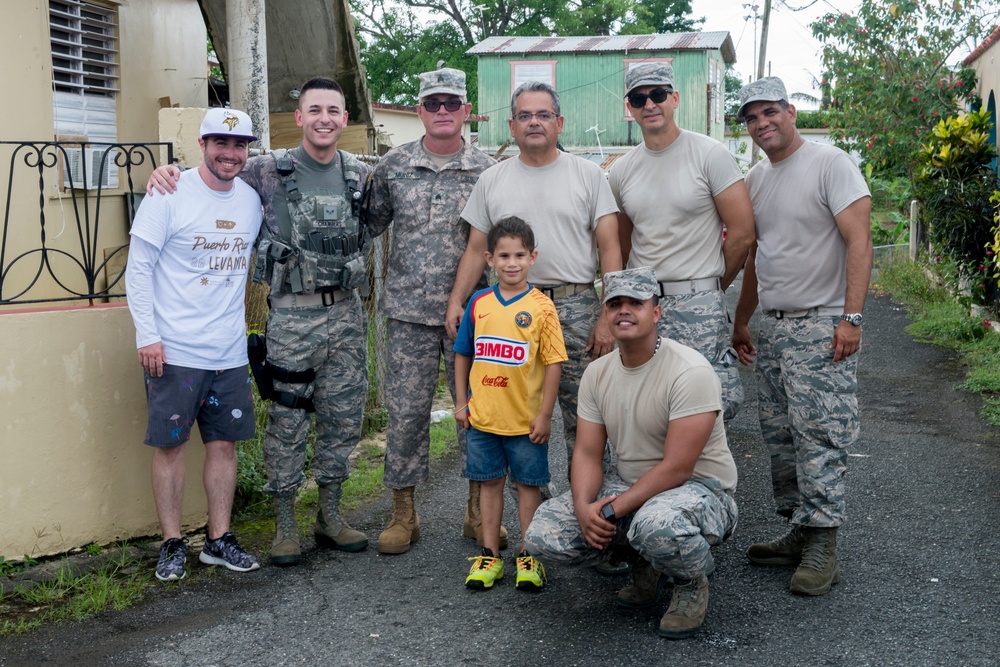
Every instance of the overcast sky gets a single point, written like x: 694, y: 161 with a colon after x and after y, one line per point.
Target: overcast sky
x: 792, y: 52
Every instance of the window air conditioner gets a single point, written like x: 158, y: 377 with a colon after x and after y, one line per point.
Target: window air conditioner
x: 80, y: 162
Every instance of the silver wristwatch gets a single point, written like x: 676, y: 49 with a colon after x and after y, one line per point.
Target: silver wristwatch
x: 853, y: 318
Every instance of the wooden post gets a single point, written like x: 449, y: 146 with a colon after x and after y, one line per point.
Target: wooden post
x: 762, y: 58
x: 915, y: 231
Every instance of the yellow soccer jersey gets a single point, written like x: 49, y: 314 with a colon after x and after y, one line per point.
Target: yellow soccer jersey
x: 510, y: 343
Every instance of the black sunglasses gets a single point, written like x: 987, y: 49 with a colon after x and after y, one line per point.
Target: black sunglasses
x: 449, y: 105
x: 638, y: 100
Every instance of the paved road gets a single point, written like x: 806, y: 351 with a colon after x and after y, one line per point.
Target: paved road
x: 920, y: 559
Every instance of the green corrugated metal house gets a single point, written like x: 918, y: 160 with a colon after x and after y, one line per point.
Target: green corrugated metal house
x: 589, y: 73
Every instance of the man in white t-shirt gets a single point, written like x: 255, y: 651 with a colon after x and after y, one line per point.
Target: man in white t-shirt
x: 571, y: 210
x: 671, y: 500
x: 677, y: 192
x: 186, y: 282
x: 809, y: 270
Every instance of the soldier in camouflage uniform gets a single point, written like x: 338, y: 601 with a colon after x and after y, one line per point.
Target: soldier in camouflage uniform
x: 677, y: 191
x: 309, y: 252
x: 568, y: 204
x: 805, y: 196
x: 671, y: 498
x: 420, y: 189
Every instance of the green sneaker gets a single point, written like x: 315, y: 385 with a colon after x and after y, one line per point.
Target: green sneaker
x: 485, y: 571
x: 530, y: 573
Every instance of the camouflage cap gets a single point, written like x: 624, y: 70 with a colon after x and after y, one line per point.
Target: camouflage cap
x: 649, y: 74
x: 638, y: 283
x: 768, y: 89
x: 446, y: 81
x: 220, y: 122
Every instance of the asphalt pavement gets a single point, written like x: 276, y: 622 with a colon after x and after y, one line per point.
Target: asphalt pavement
x: 920, y: 559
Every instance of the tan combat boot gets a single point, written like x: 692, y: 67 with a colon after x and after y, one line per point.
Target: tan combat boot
x: 330, y: 530
x: 473, y: 526
x: 285, y: 549
x: 819, y: 569
x: 687, y: 609
x: 404, y: 529
x: 786, y: 550
x: 647, y: 585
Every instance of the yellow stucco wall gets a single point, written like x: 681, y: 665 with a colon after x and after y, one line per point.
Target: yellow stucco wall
x: 987, y: 68
x: 74, y: 469
x: 162, y: 54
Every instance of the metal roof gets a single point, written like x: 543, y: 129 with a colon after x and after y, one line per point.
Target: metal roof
x: 672, y: 41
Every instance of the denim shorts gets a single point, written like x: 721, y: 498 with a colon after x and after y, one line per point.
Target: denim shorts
x: 489, y: 456
x: 220, y: 401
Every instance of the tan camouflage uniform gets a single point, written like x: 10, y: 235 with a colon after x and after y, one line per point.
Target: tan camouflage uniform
x: 674, y: 530
x: 332, y: 341
x: 808, y: 411
x: 807, y: 404
x: 578, y: 314
x: 700, y: 321
x: 423, y: 205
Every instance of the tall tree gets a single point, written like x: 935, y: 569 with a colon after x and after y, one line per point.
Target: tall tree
x: 397, y: 45
x: 888, y: 63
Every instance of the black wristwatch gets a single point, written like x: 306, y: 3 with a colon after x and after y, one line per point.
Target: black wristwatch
x: 608, y: 513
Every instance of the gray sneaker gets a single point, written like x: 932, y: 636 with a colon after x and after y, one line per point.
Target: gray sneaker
x: 173, y: 553
x: 226, y: 551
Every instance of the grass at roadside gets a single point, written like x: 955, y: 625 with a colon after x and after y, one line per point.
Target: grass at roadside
x: 365, y: 482
x: 124, y: 577
x: 74, y: 592
x: 938, y: 318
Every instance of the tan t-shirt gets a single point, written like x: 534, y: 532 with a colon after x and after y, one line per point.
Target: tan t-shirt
x: 801, y: 257
x: 637, y: 404
x: 561, y: 201
x: 670, y: 197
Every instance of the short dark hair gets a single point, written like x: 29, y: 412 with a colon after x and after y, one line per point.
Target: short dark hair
x: 320, y: 83
x: 534, y: 87
x: 513, y: 228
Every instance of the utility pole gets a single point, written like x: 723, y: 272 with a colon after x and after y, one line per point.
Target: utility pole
x: 756, y: 17
x: 246, y: 71
x: 755, y: 152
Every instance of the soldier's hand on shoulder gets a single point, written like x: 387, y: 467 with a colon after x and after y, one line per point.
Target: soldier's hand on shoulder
x: 163, y: 179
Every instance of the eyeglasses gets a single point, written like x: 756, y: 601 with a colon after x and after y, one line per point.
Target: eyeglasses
x: 638, y: 100
x: 449, y: 105
x: 542, y: 116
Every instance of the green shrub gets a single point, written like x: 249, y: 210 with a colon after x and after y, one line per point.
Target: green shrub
x: 954, y: 184
x: 947, y: 324
x: 909, y: 282
x: 892, y: 193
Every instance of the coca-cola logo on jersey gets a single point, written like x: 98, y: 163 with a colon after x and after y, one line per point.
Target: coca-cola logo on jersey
x: 495, y: 381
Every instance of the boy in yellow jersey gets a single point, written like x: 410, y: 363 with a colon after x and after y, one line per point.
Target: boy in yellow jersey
x: 508, y: 357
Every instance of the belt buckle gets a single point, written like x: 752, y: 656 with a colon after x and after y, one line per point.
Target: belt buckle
x: 327, y: 294
x: 779, y: 314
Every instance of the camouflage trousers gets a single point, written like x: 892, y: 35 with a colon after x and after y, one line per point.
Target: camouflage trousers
x: 332, y: 341
x: 700, y: 320
x: 674, y: 530
x: 808, y: 411
x: 577, y: 315
x: 410, y: 381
